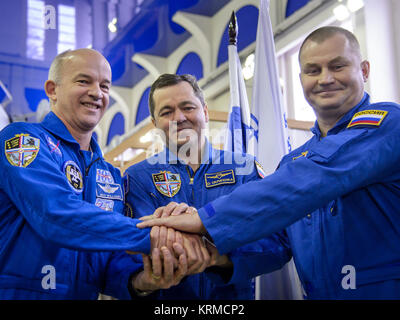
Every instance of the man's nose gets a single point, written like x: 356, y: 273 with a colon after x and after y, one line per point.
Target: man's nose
x: 179, y: 116
x: 326, y: 77
x: 95, y: 92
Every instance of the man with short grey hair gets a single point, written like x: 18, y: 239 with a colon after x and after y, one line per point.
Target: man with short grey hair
x: 63, y: 234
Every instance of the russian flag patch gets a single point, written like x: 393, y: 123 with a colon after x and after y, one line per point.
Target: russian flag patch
x: 368, y: 117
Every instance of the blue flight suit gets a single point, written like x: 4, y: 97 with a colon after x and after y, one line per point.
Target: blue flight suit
x: 62, y: 207
x: 164, y: 178
x: 338, y: 198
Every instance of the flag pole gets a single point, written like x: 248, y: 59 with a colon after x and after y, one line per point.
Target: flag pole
x: 233, y: 30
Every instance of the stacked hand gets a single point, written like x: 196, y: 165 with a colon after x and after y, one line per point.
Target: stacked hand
x: 175, y: 254
x: 188, y: 222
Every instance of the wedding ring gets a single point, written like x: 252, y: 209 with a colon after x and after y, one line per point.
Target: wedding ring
x: 155, y: 277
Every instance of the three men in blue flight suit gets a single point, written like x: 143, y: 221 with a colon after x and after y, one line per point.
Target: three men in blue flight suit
x: 190, y: 170
x: 63, y: 233
x: 337, y: 196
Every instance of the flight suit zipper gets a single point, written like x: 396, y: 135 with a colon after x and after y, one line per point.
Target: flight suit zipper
x: 191, y: 177
x: 201, y: 275
x: 191, y: 181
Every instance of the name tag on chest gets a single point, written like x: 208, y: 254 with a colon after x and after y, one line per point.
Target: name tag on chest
x: 219, y: 178
x: 109, y: 191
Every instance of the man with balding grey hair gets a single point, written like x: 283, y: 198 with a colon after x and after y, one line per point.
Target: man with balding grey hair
x: 63, y: 234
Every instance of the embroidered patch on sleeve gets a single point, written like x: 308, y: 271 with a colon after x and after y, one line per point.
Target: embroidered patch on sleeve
x: 74, y: 176
x: 167, y: 183
x: 219, y: 178
x: 53, y: 146
x: 368, y: 117
x: 21, y: 150
x: 260, y: 170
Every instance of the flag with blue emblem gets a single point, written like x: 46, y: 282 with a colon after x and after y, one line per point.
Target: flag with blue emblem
x: 238, y: 128
x: 270, y: 142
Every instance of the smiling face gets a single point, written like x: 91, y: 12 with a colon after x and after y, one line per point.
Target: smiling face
x: 332, y: 76
x: 179, y: 113
x: 81, y: 95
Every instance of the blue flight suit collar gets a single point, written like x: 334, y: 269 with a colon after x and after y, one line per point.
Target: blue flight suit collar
x: 344, y: 120
x: 54, y: 124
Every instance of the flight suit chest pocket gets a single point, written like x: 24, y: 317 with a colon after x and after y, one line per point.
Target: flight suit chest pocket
x: 330, y: 146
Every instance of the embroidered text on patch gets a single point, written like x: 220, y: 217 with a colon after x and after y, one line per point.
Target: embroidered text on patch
x: 74, y: 175
x: 167, y: 183
x: 21, y: 150
x: 368, y: 117
x: 109, y: 191
x: 104, y: 176
x: 218, y: 178
x: 105, y: 204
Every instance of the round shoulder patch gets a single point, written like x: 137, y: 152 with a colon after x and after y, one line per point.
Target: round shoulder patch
x: 74, y: 175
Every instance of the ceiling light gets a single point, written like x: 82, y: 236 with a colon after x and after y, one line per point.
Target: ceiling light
x: 354, y: 5
x: 112, y: 25
x: 341, y: 12
x: 248, y: 69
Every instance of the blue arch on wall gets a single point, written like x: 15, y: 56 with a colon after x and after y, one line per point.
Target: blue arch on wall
x: 34, y: 96
x: 191, y: 64
x: 143, y: 107
x: 247, y: 20
x: 293, y: 5
x: 117, y: 126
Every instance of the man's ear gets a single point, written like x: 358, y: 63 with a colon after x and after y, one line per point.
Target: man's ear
x: 365, y: 67
x: 50, y: 89
x: 205, y: 109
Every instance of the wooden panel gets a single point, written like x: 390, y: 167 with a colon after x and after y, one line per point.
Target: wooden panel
x: 132, y: 142
x: 300, y: 125
x: 220, y: 116
x: 137, y: 159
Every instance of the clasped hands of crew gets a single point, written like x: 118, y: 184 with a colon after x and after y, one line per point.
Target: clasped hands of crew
x: 174, y: 254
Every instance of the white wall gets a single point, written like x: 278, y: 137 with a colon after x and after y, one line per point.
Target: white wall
x: 381, y: 19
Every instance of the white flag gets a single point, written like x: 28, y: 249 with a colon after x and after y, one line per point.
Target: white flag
x: 238, y: 131
x: 238, y: 128
x: 270, y: 142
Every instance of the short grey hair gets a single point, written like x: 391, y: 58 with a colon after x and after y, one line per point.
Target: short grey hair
x: 56, y: 66
x: 323, y: 33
